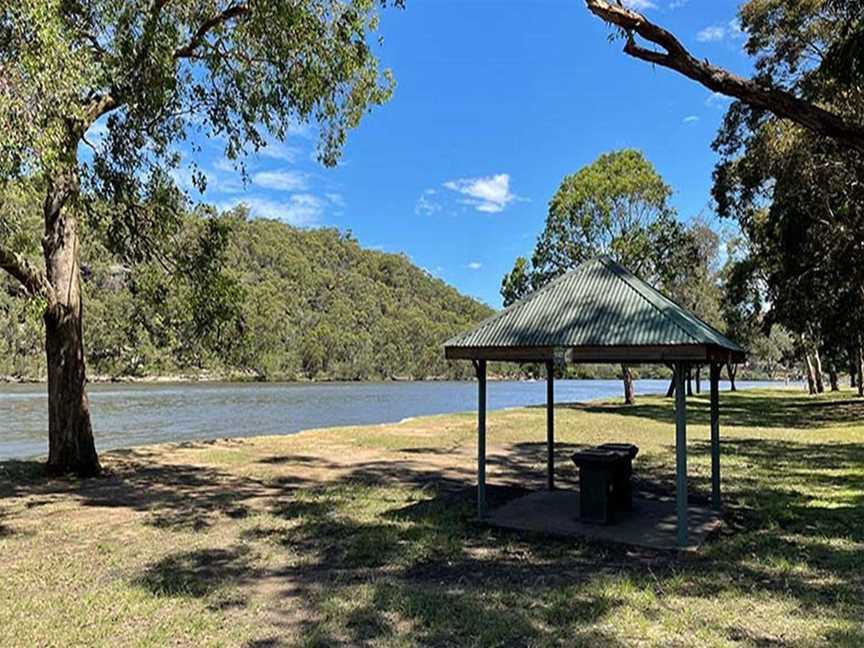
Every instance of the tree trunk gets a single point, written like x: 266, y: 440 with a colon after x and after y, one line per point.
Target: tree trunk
x: 810, y: 373
x: 860, y: 362
x: 629, y: 395
x: 731, y: 370
x: 698, y: 379
x: 70, y: 434
x: 817, y: 368
x: 833, y: 378
x: 689, y: 381
x: 671, y: 391
x: 853, y: 368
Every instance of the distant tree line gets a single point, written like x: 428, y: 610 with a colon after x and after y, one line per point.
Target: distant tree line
x: 255, y: 298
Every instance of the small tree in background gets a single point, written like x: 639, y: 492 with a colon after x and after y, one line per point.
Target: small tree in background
x: 618, y: 206
x: 149, y: 72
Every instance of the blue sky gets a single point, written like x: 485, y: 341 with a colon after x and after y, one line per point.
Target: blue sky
x: 497, y: 100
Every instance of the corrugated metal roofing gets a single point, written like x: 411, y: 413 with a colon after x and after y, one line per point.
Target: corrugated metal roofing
x: 598, y: 304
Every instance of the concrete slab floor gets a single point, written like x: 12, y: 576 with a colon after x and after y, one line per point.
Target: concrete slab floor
x: 650, y: 524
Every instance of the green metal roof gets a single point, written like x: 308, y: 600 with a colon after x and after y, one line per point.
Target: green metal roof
x: 598, y: 304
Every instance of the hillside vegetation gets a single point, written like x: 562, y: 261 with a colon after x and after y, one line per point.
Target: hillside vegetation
x: 274, y: 302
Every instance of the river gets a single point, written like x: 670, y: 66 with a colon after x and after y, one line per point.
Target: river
x: 126, y: 415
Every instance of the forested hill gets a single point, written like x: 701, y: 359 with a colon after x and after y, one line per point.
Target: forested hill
x: 278, y: 303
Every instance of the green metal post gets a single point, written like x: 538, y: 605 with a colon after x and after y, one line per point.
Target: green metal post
x: 681, y: 452
x: 481, y: 438
x: 715, y: 436
x: 550, y: 425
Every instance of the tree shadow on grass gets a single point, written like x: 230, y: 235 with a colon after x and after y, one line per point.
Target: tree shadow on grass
x: 198, y: 573
x: 746, y: 409
x: 392, y: 547
x: 175, y: 496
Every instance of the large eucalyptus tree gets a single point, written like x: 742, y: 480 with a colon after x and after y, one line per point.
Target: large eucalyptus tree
x: 146, y: 73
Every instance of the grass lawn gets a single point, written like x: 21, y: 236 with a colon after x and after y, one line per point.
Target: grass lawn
x: 365, y: 536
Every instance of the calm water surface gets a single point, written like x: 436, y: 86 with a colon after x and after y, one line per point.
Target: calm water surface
x: 130, y: 415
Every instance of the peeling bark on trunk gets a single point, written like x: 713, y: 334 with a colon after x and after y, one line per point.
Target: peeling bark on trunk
x: 731, y: 371
x: 817, y: 368
x: 70, y: 435
x: 810, y: 374
x: 629, y: 394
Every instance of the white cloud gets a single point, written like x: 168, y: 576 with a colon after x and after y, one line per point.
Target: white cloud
x: 735, y: 32
x: 336, y: 199
x: 716, y: 33
x: 474, y: 265
x: 300, y: 210
x: 717, y: 100
x: 689, y: 119
x: 224, y: 164
x: 285, y: 180
x: 300, y: 129
x: 677, y: 4
x: 279, y: 151
x: 490, y: 194
x: 426, y: 204
x: 639, y: 5
x: 711, y: 34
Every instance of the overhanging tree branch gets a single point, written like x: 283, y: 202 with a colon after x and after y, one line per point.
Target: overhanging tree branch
x: 33, y: 280
x: 676, y: 57
x: 187, y: 50
x: 105, y: 102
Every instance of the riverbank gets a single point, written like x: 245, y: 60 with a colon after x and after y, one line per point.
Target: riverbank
x: 576, y: 372
x: 366, y: 536
x: 127, y: 415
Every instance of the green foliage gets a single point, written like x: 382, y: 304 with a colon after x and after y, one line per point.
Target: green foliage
x: 742, y: 304
x: 45, y: 70
x: 257, y: 298
x: 618, y: 206
x: 798, y: 196
x: 95, y: 96
x: 614, y: 206
x: 517, y: 282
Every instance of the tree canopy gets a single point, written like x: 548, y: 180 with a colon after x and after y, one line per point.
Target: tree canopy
x: 797, y: 196
x: 148, y: 74
x: 792, y: 42
x: 619, y: 206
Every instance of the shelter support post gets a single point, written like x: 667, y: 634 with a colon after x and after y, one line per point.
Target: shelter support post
x: 550, y: 425
x: 480, y: 368
x: 715, y: 436
x: 681, y: 453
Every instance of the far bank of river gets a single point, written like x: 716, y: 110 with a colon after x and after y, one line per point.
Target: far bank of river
x: 130, y: 414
